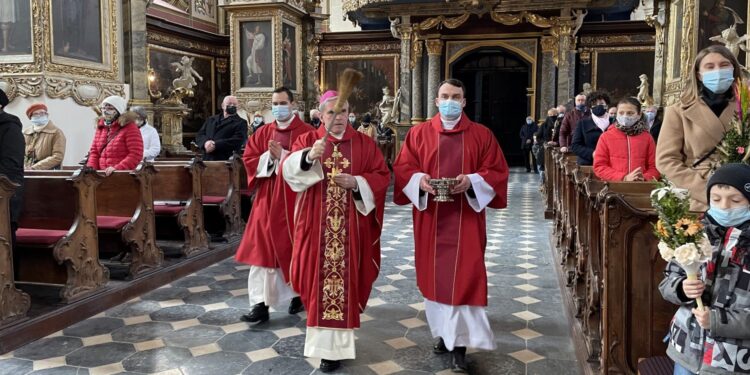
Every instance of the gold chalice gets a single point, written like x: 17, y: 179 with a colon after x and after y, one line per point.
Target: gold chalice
x: 443, y: 187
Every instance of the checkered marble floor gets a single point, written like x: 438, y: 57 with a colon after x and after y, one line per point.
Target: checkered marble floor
x: 192, y: 326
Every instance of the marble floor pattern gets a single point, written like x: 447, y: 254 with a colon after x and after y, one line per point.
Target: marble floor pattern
x: 192, y: 325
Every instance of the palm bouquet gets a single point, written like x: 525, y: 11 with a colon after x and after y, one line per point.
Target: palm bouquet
x: 680, y: 233
x: 735, y: 147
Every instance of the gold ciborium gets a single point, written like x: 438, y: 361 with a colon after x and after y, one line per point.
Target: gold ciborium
x: 443, y: 187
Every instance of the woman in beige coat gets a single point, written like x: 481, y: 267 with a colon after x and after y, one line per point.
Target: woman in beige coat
x: 696, y: 124
x: 45, y: 143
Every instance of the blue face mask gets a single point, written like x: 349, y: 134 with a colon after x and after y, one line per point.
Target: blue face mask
x: 731, y: 217
x: 650, y: 116
x: 450, y: 109
x: 281, y: 112
x: 719, y: 80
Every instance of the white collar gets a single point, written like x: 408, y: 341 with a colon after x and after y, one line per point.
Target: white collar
x: 284, y: 124
x: 450, y: 124
x: 601, y: 123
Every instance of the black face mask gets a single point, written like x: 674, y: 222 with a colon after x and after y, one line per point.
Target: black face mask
x: 599, y: 110
x: 612, y: 119
x: 315, y: 121
x: 231, y: 110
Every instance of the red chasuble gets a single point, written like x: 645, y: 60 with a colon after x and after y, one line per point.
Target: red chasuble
x: 450, y: 237
x: 336, y: 253
x: 267, y: 241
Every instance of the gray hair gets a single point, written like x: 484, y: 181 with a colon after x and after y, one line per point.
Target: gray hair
x: 140, y: 111
x: 322, y: 106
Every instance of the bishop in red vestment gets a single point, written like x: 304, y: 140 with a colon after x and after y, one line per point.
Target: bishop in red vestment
x: 341, y: 180
x: 267, y: 242
x: 450, y: 237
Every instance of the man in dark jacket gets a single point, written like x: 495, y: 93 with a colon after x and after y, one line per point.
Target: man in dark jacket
x: 570, y: 121
x: 223, y: 134
x: 12, y: 147
x: 527, y: 141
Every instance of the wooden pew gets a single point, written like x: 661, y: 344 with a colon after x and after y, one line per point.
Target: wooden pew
x: 635, y: 317
x: 576, y: 270
x: 557, y: 194
x: 548, y: 186
x: 177, y: 195
x: 57, y: 237
x: 125, y: 216
x: 14, y: 303
x: 221, y: 190
x: 566, y: 244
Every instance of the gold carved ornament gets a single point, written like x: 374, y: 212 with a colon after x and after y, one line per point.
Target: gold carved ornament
x: 440, y: 21
x: 434, y: 46
x: 334, y: 263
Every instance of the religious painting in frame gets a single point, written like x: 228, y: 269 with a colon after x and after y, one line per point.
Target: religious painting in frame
x: 608, y: 65
x: 256, y: 54
x: 674, y: 41
x: 15, y: 30
x: 715, y: 22
x: 202, y: 103
x: 289, y: 44
x: 205, y: 10
x: 77, y: 30
x: 379, y: 71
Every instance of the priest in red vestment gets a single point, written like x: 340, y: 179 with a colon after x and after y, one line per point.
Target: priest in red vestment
x: 450, y: 237
x: 267, y: 243
x: 341, y: 180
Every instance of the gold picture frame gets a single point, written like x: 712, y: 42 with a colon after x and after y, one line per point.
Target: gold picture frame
x: 108, y: 68
x: 393, y: 61
x: 287, y: 21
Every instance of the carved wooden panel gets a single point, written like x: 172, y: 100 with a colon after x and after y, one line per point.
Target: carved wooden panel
x: 13, y: 303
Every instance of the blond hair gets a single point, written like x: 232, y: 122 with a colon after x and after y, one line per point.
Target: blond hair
x: 691, y: 93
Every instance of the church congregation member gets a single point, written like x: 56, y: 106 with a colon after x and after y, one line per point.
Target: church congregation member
x: 267, y: 243
x: 11, y: 160
x: 117, y: 143
x: 450, y: 237
x: 341, y: 181
x: 315, y: 118
x: 527, y: 143
x: 626, y: 151
x: 561, y: 111
x: 714, y: 340
x: 223, y: 134
x: 353, y: 121
x: 570, y: 121
x: 257, y: 122
x: 653, y: 119
x: 151, y: 142
x: 366, y: 127
x: 695, y: 125
x: 589, y: 129
x: 45, y: 142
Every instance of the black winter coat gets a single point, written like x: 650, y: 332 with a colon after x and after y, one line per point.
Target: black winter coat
x: 12, y: 147
x: 584, y: 141
x: 229, y: 134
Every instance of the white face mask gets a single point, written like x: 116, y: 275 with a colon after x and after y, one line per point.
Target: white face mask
x: 627, y: 121
x: 39, y: 120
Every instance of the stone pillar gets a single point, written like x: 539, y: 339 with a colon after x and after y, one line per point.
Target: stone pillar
x: 405, y: 32
x: 134, y: 51
x: 549, y: 84
x: 659, y: 77
x: 565, y: 67
x: 417, y: 115
x: 434, y: 52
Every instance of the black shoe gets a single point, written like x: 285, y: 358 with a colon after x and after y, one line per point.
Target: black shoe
x: 528, y: 171
x: 329, y: 366
x: 439, y: 347
x: 296, y: 306
x: 459, y: 360
x: 258, y: 314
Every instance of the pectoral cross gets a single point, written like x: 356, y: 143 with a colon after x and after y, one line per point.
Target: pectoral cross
x: 336, y: 163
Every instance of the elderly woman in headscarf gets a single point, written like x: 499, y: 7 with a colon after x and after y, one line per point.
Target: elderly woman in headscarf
x: 45, y: 142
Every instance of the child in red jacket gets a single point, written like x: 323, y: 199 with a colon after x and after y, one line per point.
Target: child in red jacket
x: 626, y: 151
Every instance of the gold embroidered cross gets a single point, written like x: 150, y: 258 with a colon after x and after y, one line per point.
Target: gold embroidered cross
x: 336, y: 163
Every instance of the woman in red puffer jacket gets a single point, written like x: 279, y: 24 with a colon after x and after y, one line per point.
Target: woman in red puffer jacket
x: 117, y: 143
x: 626, y: 151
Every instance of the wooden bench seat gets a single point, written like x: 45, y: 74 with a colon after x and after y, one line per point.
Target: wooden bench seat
x: 14, y: 302
x: 178, y: 205
x: 57, y: 236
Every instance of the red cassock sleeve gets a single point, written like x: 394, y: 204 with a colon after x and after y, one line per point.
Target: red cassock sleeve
x: 257, y: 144
x: 405, y: 166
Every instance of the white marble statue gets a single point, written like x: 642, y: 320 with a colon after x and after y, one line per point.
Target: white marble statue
x: 188, y: 75
x: 643, y: 91
x: 732, y: 40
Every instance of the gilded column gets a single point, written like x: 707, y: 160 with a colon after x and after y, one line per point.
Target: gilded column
x: 135, y: 51
x: 434, y: 52
x: 659, y: 78
x: 549, y: 59
x: 565, y: 69
x: 417, y: 114
x: 405, y: 31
